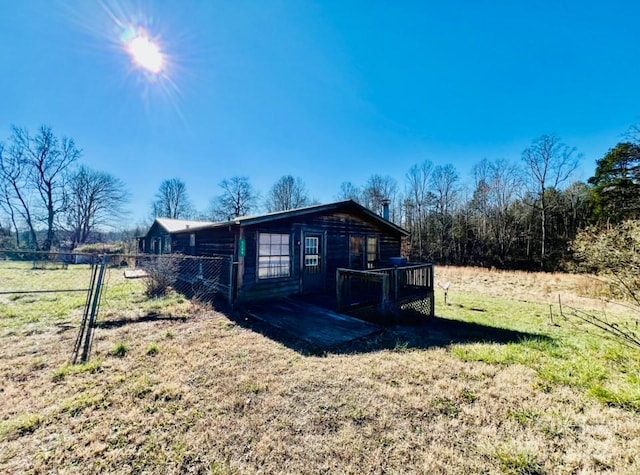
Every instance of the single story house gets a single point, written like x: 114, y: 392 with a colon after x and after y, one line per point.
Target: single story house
x: 159, y: 238
x: 288, y: 252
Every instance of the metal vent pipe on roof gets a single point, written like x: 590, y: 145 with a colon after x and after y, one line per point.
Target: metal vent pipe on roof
x: 385, y: 208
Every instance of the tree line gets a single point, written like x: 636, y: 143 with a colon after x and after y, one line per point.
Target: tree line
x: 237, y: 197
x: 46, y: 195
x: 524, y: 212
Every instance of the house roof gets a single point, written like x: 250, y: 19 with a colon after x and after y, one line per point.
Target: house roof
x: 181, y: 225
x: 176, y: 225
x: 338, y: 205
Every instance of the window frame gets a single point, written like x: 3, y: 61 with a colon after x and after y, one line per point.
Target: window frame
x: 261, y: 257
x: 365, y: 260
x: 371, y: 263
x: 353, y: 257
x: 311, y: 259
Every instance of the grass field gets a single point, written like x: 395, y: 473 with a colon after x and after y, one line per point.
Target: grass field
x: 492, y: 385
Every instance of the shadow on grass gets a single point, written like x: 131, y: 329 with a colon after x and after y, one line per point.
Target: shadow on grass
x: 436, y: 332
x: 441, y: 332
x: 150, y: 317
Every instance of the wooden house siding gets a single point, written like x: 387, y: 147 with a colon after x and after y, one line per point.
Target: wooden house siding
x: 329, y: 228
x: 252, y: 287
x: 156, y: 239
x: 337, y: 229
x: 220, y: 241
x: 180, y: 244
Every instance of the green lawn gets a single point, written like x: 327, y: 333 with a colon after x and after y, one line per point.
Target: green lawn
x: 575, y: 353
x: 122, y: 298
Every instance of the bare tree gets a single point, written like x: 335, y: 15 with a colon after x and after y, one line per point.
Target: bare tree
x: 34, y: 175
x: 378, y: 189
x: 237, y: 199
x: 172, y: 200
x: 287, y: 193
x: 418, y: 178
x: 479, y: 203
x: 349, y: 191
x: 444, y: 181
x: 95, y: 199
x: 11, y: 181
x: 50, y: 160
x: 579, y: 203
x: 504, y: 180
x: 548, y: 164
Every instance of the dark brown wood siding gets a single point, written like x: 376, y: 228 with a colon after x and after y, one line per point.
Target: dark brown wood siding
x: 337, y: 227
x: 155, y: 234
x: 217, y: 241
x: 180, y: 244
x: 254, y: 288
x: 208, y: 242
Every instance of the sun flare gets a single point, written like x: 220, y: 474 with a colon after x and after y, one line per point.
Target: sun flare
x: 146, y: 53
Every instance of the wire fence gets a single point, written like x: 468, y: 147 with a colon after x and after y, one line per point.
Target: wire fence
x: 55, y: 272
x: 39, y: 290
x: 204, y: 278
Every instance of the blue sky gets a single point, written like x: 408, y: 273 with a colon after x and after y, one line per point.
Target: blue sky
x: 330, y: 91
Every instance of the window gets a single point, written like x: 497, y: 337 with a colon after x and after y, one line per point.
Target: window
x: 192, y: 239
x: 274, y: 256
x: 356, y: 252
x: 372, y: 252
x: 311, y: 251
x: 363, y: 252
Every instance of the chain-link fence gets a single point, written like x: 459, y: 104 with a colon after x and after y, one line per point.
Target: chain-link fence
x: 28, y: 272
x: 42, y: 287
x: 204, y: 278
x: 39, y: 290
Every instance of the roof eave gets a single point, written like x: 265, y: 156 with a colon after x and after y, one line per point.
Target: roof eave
x: 315, y: 209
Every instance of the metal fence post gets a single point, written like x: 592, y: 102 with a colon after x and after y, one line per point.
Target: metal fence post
x: 230, y: 286
x: 95, y: 304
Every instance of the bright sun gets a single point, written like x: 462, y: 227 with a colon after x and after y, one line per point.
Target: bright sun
x: 146, y: 53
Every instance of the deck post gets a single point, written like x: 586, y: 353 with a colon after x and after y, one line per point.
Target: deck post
x: 339, y: 290
x: 380, y: 289
x: 384, y: 301
x: 433, y: 293
x: 395, y: 283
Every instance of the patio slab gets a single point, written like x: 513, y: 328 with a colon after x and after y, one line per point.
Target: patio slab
x: 311, y: 323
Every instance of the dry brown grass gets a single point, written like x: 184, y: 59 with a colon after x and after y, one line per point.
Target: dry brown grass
x: 216, y: 397
x: 580, y: 290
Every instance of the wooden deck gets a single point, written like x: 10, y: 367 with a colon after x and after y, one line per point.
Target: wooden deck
x: 316, y: 325
x: 387, y: 295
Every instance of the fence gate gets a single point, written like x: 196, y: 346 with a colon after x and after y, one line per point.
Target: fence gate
x: 40, y: 290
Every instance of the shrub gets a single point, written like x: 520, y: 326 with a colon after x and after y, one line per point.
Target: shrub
x: 614, y: 253
x: 162, y: 274
x: 101, y: 248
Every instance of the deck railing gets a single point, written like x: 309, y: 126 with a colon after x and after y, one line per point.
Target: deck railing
x: 387, y: 290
